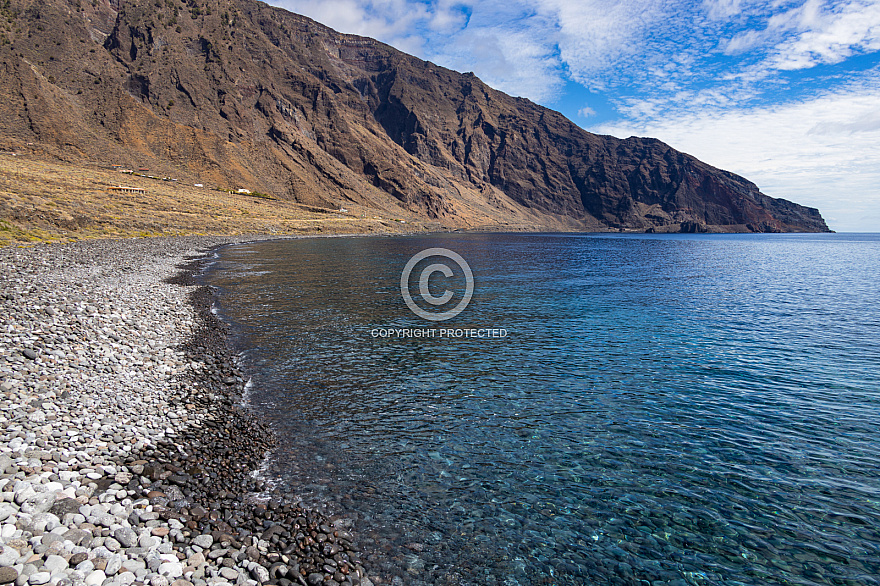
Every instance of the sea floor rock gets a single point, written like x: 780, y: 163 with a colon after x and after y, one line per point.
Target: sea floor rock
x: 125, y: 456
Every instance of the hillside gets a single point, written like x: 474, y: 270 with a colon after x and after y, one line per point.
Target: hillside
x: 235, y: 93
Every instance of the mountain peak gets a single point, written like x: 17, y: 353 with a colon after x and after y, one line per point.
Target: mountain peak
x: 238, y: 92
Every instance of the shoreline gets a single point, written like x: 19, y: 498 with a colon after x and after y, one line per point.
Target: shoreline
x: 125, y: 456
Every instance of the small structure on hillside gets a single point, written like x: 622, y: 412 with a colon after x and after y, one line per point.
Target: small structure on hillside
x: 127, y: 189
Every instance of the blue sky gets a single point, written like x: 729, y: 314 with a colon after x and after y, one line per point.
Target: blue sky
x: 786, y: 94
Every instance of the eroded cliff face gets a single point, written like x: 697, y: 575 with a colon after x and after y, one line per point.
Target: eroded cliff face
x: 241, y: 93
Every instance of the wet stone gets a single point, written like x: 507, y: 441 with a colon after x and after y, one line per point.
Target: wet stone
x: 159, y: 472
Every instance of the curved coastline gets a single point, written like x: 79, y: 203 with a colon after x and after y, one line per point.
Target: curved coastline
x: 126, y: 456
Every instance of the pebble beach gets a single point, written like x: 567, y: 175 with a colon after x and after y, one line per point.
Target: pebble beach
x: 126, y: 456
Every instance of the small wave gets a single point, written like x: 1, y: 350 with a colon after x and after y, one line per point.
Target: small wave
x: 246, y: 393
x: 262, y: 474
x: 207, y: 262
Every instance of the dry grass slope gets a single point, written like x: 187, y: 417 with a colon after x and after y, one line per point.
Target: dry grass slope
x: 42, y: 200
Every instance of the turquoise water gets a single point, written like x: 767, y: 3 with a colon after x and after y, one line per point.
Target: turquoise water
x: 663, y: 409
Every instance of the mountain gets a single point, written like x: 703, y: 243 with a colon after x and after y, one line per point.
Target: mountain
x: 239, y: 93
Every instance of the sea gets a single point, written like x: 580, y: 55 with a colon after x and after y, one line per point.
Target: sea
x: 580, y: 409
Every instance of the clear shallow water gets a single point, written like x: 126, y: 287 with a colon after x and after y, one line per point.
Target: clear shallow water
x: 665, y: 409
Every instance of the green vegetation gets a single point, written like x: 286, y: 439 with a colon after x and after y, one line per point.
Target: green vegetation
x: 10, y: 233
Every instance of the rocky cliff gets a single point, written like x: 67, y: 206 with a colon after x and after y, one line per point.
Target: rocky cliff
x: 239, y: 93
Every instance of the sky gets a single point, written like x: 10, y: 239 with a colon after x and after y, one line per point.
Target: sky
x: 786, y: 94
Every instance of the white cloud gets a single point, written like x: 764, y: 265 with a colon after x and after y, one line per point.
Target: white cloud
x: 515, y: 61
x: 594, y: 35
x: 723, y: 9
x: 824, y: 152
x: 586, y: 112
x: 531, y: 48
x: 526, y: 48
x: 745, y: 41
x: 810, y: 34
x: 400, y: 23
x: 830, y: 36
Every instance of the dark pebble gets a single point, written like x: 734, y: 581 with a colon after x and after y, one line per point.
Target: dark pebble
x: 278, y: 570
x: 65, y: 506
x: 202, y: 477
x: 178, y: 479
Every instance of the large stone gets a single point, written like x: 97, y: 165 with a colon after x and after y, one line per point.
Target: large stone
x: 123, y: 478
x: 85, y: 567
x: 105, y: 520
x: 39, y: 503
x: 114, y: 564
x: 77, y: 536
x: 171, y: 569
x: 39, y: 578
x: 260, y: 573
x: 26, y: 571
x: 47, y: 540
x: 8, y: 575
x: 126, y: 537
x: 148, y: 541
x: 229, y: 573
x: 23, y: 492
x: 8, y: 556
x: 6, y: 511
x: 55, y: 564
x: 203, y: 541
x: 96, y: 578
x: 64, y: 506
